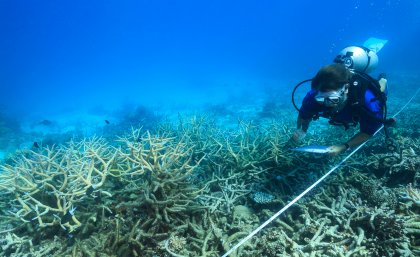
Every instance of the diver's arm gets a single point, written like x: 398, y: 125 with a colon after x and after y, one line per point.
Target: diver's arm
x: 355, y: 141
x: 301, y: 128
x: 358, y: 139
x: 303, y: 124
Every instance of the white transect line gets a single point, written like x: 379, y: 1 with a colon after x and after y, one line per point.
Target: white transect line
x: 309, y: 188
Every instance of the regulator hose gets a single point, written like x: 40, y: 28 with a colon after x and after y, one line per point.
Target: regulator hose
x: 294, y: 90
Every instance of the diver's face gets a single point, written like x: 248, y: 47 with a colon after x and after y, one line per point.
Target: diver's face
x: 332, y: 99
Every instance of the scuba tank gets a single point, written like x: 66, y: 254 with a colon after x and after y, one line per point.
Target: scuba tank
x: 358, y: 58
x: 361, y: 58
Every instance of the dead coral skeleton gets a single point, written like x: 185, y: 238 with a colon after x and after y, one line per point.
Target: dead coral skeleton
x: 412, y: 195
x: 184, y: 192
x: 223, y: 193
x: 167, y: 166
x: 48, y: 185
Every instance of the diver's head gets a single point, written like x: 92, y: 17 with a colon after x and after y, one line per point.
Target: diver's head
x: 332, y: 83
x: 357, y: 58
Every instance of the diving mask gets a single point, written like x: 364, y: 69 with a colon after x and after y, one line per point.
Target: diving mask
x: 331, y: 98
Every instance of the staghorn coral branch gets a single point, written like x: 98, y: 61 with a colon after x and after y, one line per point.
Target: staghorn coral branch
x: 48, y: 183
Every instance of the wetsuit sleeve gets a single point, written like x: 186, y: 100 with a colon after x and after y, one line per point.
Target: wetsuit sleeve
x: 368, y: 124
x: 309, y: 106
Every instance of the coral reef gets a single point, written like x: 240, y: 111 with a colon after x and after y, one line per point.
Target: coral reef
x: 193, y: 188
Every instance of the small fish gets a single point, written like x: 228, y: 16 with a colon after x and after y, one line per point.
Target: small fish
x: 36, y: 145
x: 319, y: 149
x: 45, y: 123
x: 89, y: 190
x: 107, y: 122
x: 66, y: 218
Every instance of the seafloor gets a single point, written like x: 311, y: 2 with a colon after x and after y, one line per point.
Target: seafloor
x: 196, y: 184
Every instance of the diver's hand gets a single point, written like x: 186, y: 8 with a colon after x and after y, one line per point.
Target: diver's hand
x: 298, y: 135
x: 336, y: 150
x: 295, y: 139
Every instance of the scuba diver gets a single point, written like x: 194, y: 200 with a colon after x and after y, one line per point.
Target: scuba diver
x: 345, y: 94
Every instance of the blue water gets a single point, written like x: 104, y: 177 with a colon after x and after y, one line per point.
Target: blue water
x: 65, y: 56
